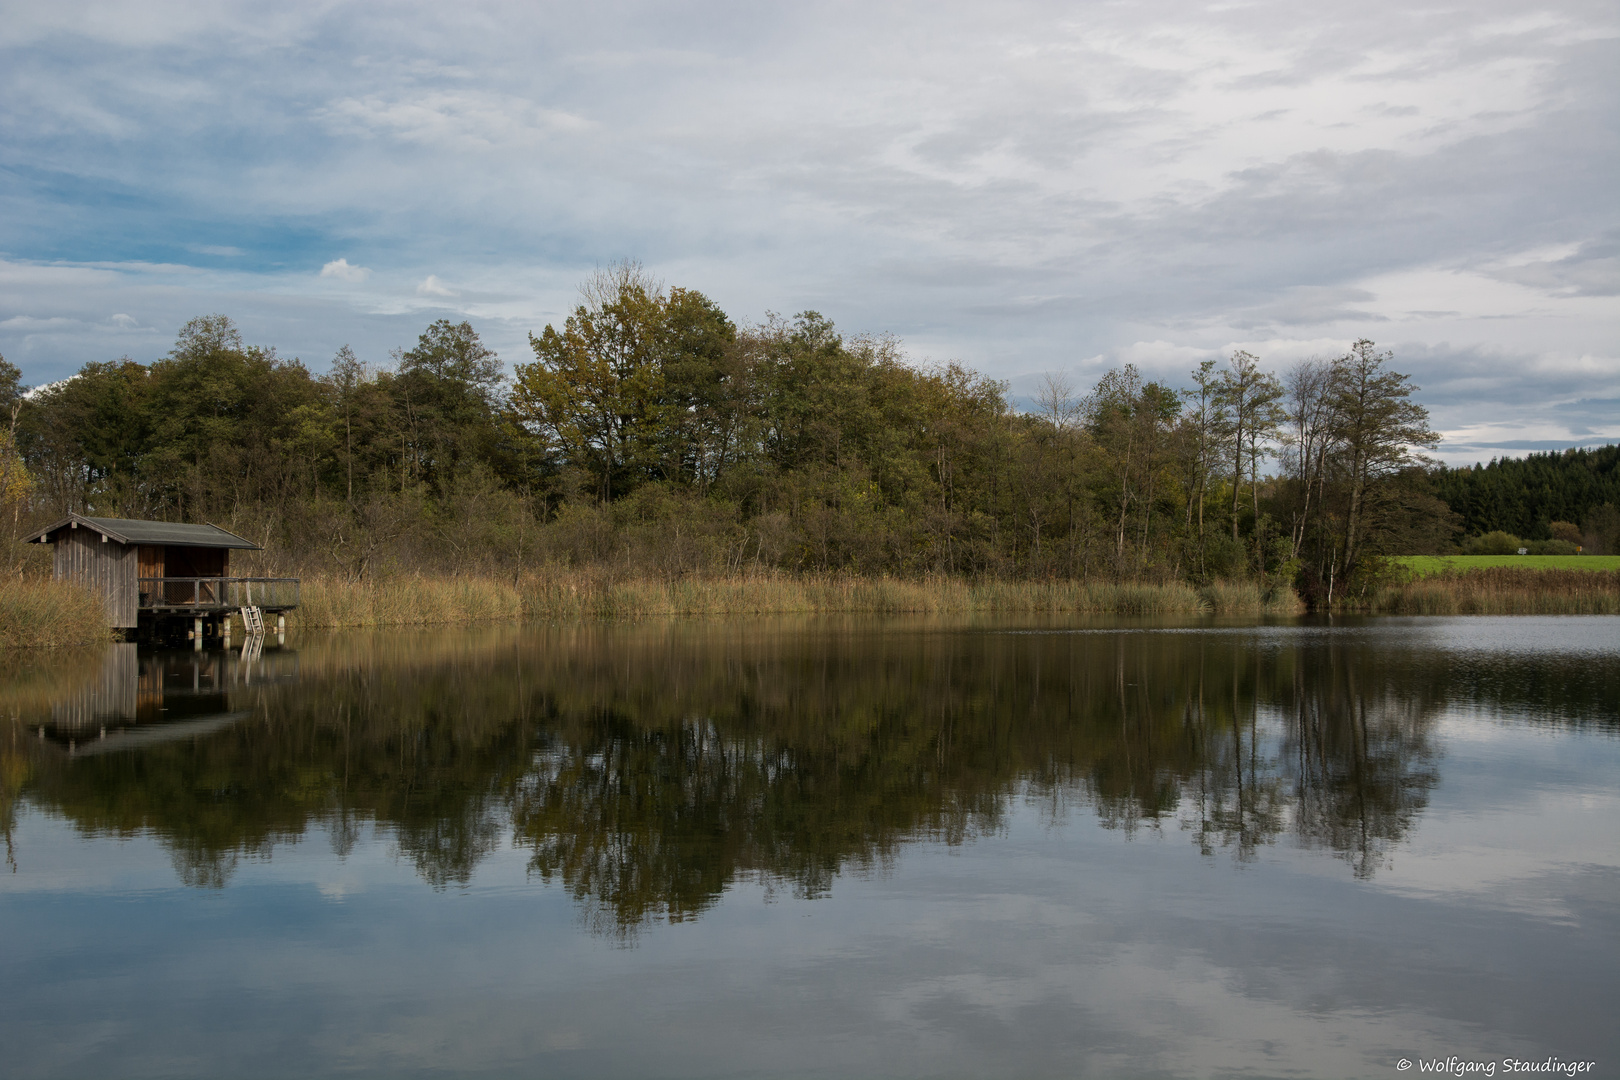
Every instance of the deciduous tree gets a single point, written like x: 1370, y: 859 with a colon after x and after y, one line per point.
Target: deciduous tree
x: 1377, y: 426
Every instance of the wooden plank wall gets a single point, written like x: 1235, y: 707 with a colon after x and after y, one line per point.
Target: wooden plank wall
x: 107, y: 567
x: 151, y: 560
x: 109, y: 699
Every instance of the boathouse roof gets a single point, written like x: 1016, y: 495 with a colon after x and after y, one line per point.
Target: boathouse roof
x: 136, y: 531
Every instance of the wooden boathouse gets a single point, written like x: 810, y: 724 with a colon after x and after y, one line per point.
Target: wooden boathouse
x: 152, y: 572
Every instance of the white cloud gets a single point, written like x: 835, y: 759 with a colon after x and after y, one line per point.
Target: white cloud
x: 1027, y: 187
x: 462, y: 119
x: 432, y: 286
x: 340, y: 269
x: 32, y: 323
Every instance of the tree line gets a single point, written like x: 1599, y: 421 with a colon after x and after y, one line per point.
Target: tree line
x: 651, y: 433
x: 1560, y: 501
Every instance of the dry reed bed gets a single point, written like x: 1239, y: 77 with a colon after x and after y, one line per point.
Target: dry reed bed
x: 575, y: 595
x: 49, y: 615
x: 1503, y: 590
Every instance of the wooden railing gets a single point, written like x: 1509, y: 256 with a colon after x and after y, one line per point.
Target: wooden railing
x: 192, y: 593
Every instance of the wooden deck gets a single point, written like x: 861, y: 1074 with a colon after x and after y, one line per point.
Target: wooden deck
x: 200, y: 596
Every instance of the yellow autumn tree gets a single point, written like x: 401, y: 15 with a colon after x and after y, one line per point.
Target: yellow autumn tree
x: 15, y: 483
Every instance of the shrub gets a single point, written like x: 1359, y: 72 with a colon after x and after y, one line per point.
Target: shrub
x: 1224, y: 557
x: 1496, y: 542
x: 1567, y: 532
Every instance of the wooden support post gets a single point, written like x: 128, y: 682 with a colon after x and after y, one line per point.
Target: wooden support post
x: 281, y: 623
x: 197, y: 635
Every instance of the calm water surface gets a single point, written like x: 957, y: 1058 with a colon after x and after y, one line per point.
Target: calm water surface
x: 807, y: 848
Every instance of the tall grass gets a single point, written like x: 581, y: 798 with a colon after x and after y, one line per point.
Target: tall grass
x: 50, y: 614
x: 576, y: 594
x: 1251, y: 598
x: 406, y: 600
x: 1502, y: 590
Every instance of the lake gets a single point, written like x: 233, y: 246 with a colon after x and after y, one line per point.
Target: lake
x: 818, y: 847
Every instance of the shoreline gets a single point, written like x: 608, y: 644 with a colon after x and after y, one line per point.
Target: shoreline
x: 37, y: 615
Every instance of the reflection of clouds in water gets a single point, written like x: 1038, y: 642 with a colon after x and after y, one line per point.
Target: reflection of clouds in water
x: 333, y: 890
x: 1512, y: 635
x: 1492, y: 634
x: 1051, y: 951
x: 1486, y: 839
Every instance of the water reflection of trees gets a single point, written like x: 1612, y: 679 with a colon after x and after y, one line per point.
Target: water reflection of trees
x: 1335, y: 755
x: 648, y: 768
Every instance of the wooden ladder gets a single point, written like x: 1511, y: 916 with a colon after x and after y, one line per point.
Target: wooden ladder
x: 252, y: 617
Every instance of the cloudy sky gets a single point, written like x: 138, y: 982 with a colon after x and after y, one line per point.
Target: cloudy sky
x: 1026, y: 187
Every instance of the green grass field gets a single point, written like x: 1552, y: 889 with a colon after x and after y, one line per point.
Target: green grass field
x: 1423, y: 565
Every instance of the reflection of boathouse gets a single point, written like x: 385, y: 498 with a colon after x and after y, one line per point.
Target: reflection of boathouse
x: 152, y: 570
x: 137, y: 698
